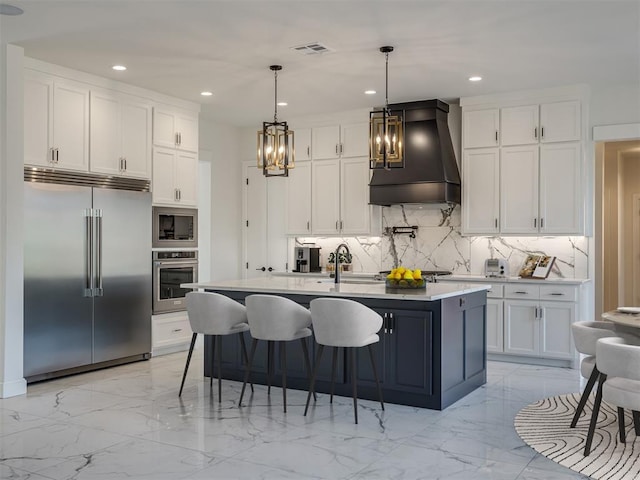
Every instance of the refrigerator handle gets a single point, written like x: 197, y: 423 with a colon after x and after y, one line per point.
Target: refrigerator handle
x: 98, y: 275
x: 88, y: 277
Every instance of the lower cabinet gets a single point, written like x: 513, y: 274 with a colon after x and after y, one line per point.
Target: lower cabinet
x: 170, y: 332
x: 495, y: 326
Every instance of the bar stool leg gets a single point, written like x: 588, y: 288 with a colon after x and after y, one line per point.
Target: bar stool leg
x: 354, y: 376
x: 621, y: 429
x: 636, y: 422
x: 254, y: 344
x: 313, y: 377
x: 219, y: 350
x: 594, y: 415
x: 186, y: 367
x: 307, y: 361
x: 585, y: 395
x: 375, y: 375
x: 269, y: 365
x: 245, y: 358
x: 334, y: 360
x: 283, y: 360
x: 213, y: 360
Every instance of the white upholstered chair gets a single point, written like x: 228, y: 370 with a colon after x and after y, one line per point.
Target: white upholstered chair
x: 344, y: 323
x: 585, y: 337
x: 276, y: 319
x: 216, y: 315
x: 619, y: 383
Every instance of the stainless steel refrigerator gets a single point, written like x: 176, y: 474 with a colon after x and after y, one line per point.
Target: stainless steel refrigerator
x: 87, y: 273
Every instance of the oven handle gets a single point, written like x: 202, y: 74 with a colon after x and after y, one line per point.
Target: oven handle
x: 161, y: 263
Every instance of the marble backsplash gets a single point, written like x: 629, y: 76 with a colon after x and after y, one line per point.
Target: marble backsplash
x: 438, y: 245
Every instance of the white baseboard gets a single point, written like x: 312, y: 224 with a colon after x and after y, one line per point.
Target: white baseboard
x: 13, y: 388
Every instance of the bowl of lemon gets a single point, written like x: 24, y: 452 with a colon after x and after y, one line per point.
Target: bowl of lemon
x: 402, y: 277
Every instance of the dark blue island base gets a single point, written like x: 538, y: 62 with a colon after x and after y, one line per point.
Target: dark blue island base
x: 430, y: 353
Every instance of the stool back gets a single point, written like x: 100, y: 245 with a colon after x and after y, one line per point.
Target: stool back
x: 586, y: 334
x: 276, y: 318
x: 214, y: 314
x: 344, y: 323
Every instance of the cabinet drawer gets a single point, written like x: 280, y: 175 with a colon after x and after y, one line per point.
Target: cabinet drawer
x: 171, y: 331
x: 497, y: 291
x: 523, y: 291
x: 564, y: 293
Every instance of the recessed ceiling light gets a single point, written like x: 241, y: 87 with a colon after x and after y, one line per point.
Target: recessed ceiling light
x: 6, y: 9
x: 282, y: 104
x: 206, y: 94
x: 369, y: 92
x: 119, y: 68
x: 475, y: 78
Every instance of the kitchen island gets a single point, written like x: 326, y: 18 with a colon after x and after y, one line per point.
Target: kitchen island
x: 432, y: 348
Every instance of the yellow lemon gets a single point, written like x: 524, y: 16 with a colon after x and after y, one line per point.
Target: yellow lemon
x: 401, y: 270
x: 408, y: 275
x: 391, y: 276
x: 397, y: 276
x: 417, y: 274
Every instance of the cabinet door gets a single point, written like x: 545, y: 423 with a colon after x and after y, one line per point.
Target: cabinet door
x: 71, y: 125
x: 354, y: 140
x: 519, y: 125
x: 187, y: 129
x: 560, y: 122
x: 354, y: 196
x: 135, y: 124
x: 302, y: 146
x: 255, y: 221
x: 519, y: 190
x: 521, y: 328
x: 480, y: 191
x: 276, y: 260
x: 495, y: 326
x: 298, y: 187
x: 326, y: 142
x: 325, y: 197
x: 186, y: 175
x: 163, y: 176
x: 560, y: 189
x: 106, y: 139
x: 164, y: 127
x: 556, y: 320
x: 38, y: 118
x: 480, y: 128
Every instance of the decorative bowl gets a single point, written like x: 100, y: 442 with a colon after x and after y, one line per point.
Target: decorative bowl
x: 406, y: 284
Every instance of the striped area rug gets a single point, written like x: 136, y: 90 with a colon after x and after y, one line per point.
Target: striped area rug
x: 544, y: 426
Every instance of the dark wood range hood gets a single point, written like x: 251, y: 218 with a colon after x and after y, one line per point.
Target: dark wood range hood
x: 430, y: 173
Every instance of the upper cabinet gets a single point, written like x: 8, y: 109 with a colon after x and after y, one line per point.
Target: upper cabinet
x: 480, y: 128
x: 335, y: 141
x: 302, y: 144
x: 120, y: 135
x: 174, y: 128
x: 175, y: 176
x: 56, y: 122
x: 298, y: 186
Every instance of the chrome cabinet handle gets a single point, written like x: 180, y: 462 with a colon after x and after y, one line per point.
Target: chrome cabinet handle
x: 308, y: 151
x: 176, y: 330
x: 175, y: 194
x: 53, y: 155
x: 535, y: 132
x: 496, y: 136
x: 337, y: 225
x: 535, y: 223
x: 57, y: 156
x: 385, y: 323
x: 496, y: 222
x: 519, y: 292
x: 557, y: 294
x: 125, y: 164
x: 541, y: 222
x: 88, y: 238
x: 392, y: 323
x: 308, y: 225
x: 542, y: 132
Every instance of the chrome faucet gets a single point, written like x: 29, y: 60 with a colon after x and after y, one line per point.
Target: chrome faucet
x: 337, y: 260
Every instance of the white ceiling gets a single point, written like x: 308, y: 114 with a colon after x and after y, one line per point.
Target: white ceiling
x: 182, y: 47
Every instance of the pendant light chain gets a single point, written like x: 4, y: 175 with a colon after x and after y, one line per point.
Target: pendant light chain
x: 275, y: 97
x: 386, y: 81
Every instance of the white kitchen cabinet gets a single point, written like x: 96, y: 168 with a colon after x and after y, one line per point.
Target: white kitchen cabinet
x: 174, y: 177
x: 519, y: 190
x: 170, y: 332
x: 325, y: 197
x: 173, y: 128
x: 560, y: 122
x: 340, y: 141
x: 120, y: 135
x: 302, y: 144
x: 522, y: 329
x: 480, y: 128
x: 56, y: 122
x: 495, y: 325
x: 326, y: 142
x: 519, y: 125
x: 481, y: 198
x: 264, y: 218
x: 298, y: 186
x: 556, y: 319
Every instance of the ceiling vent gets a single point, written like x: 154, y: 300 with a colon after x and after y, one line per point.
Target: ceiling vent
x: 315, y: 48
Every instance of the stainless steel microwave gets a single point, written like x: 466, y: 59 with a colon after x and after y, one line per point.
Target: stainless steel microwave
x: 175, y: 227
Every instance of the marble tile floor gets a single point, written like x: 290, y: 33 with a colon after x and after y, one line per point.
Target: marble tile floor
x: 128, y: 422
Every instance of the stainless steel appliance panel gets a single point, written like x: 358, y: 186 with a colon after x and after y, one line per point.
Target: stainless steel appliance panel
x: 175, y: 227
x: 57, y: 312
x: 122, y: 312
x: 170, y: 270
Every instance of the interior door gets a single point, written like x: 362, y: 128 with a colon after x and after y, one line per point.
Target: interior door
x: 122, y: 316
x: 255, y: 222
x: 57, y: 314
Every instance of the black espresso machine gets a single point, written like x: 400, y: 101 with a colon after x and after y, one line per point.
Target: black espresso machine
x: 307, y: 259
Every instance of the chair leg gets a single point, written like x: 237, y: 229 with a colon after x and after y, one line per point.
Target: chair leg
x: 213, y: 360
x: 186, y: 367
x: 245, y: 358
x: 219, y: 351
x: 636, y: 422
x: 254, y: 344
x: 334, y: 360
x: 313, y: 377
x: 585, y: 395
x: 354, y: 377
x: 283, y: 361
x: 307, y: 361
x: 269, y: 365
x: 621, y: 430
x: 375, y: 375
x: 594, y: 415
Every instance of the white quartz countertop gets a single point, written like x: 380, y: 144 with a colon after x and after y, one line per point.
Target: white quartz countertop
x: 326, y: 287
x: 483, y: 279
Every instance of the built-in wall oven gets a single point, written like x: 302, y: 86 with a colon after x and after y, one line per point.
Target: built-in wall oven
x: 170, y: 270
x: 175, y: 227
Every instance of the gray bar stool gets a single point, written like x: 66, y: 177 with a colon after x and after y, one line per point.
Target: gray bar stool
x: 276, y: 319
x: 344, y: 323
x: 585, y: 337
x: 216, y: 315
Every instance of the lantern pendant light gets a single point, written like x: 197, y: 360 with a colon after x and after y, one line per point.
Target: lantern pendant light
x: 275, y: 141
x: 386, y: 132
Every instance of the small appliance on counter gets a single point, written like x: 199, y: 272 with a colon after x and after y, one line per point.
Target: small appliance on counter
x: 496, y: 267
x: 307, y: 259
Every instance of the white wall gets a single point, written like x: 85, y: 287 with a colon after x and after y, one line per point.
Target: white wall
x: 615, y: 104
x: 223, y: 141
